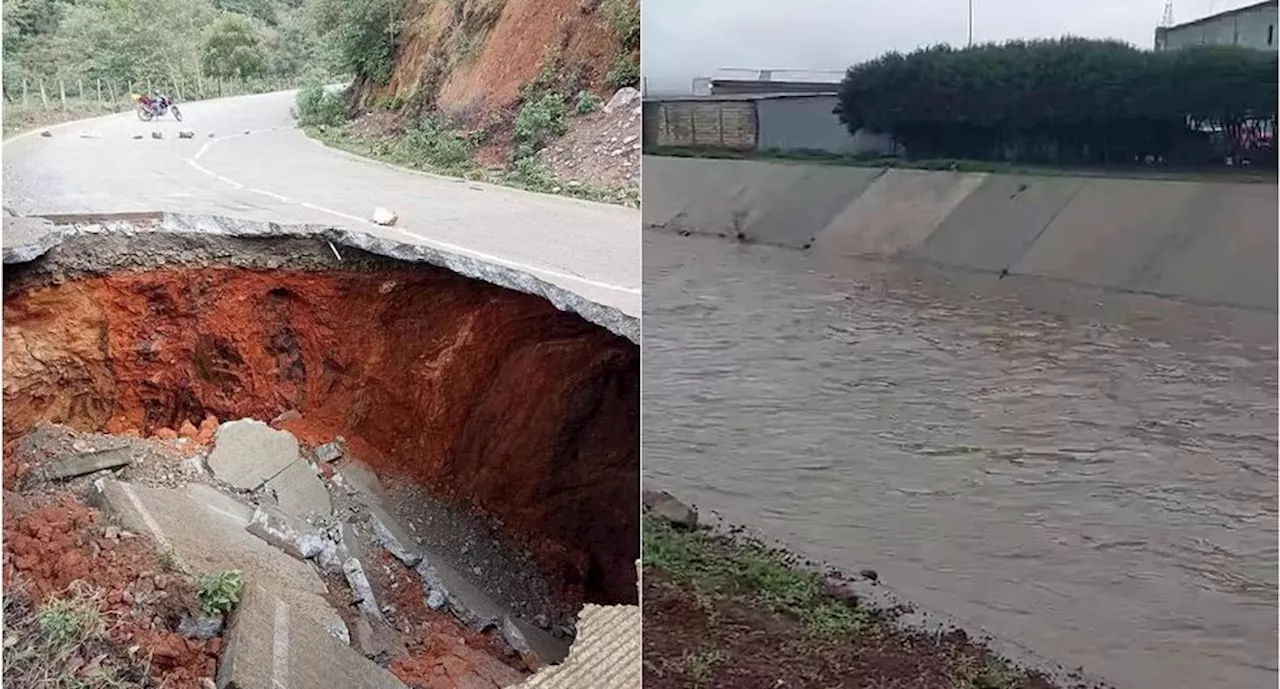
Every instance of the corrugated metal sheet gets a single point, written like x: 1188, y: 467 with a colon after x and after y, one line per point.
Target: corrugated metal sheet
x: 605, y: 655
x: 693, y: 124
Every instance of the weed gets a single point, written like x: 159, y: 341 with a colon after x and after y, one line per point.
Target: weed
x: 539, y: 121
x: 47, y: 647
x: 66, y: 622
x: 714, y: 566
x: 700, y: 666
x: 217, y: 594
x: 168, y: 559
x: 319, y: 107
x: 625, y: 71
x: 391, y: 103
x: 624, y: 20
x: 588, y: 103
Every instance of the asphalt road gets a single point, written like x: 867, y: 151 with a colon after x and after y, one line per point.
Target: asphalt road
x: 248, y: 161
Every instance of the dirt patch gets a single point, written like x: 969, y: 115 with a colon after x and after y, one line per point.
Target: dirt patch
x: 487, y: 398
x: 720, y: 613
x: 65, y: 570
x: 601, y: 148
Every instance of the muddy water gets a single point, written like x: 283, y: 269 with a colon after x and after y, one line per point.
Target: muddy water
x: 1091, y: 476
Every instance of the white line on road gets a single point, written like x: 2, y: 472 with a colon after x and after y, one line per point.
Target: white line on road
x: 280, y: 647
x: 419, y: 238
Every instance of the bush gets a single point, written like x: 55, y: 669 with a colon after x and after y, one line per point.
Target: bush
x: 540, y: 121
x: 430, y: 143
x: 588, y: 103
x: 319, y: 107
x: 625, y: 71
x: 217, y: 594
x: 1065, y: 99
x: 624, y: 20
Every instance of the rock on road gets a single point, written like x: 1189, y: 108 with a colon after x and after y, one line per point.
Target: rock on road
x: 275, y: 173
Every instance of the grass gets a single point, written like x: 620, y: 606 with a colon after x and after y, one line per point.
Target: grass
x: 438, y: 150
x: 700, y: 666
x: 61, y: 643
x: 713, y: 567
x: 1245, y: 175
x: 19, y: 118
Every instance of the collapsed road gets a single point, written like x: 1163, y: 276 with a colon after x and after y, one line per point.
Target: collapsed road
x: 374, y: 431
x: 247, y: 160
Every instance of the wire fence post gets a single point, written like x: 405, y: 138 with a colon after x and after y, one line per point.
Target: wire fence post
x: 62, y: 93
x: 99, y: 90
x: 80, y: 88
x: 111, y: 88
x: 25, y: 99
x: 44, y: 96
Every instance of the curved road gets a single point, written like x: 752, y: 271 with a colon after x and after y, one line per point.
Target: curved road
x: 247, y: 160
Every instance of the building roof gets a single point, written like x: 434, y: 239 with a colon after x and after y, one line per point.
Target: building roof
x: 790, y: 76
x: 691, y: 97
x: 1221, y: 15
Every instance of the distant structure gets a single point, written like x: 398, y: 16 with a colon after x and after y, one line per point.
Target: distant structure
x: 1252, y: 26
x: 738, y: 81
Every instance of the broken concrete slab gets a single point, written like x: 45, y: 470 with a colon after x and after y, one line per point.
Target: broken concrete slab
x: 605, y: 655
x: 331, y: 451
x: 300, y: 491
x: 269, y: 646
x: 248, y: 453
x: 205, y: 531
x: 392, y: 536
x: 276, y: 527
x: 87, y: 463
x: 361, y: 589
x: 665, y: 507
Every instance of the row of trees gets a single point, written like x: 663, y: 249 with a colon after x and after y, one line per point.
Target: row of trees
x: 163, y: 41
x: 1067, y: 100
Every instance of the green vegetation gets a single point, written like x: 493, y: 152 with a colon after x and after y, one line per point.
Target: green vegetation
x: 715, y: 567
x: 1068, y: 101
x: 319, y: 107
x: 538, y: 122
x: 218, y: 594
x: 364, y: 34
x: 174, y: 45
x: 50, y: 646
x: 700, y: 666
x: 624, y: 20
x: 587, y: 103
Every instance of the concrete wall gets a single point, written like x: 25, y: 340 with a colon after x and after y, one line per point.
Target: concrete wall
x: 810, y: 124
x: 1202, y: 241
x: 777, y: 123
x: 1253, y: 27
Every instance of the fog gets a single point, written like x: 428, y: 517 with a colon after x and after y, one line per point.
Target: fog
x: 683, y: 39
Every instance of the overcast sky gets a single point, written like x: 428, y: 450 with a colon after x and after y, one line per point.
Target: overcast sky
x: 682, y: 39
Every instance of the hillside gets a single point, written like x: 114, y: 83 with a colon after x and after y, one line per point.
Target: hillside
x: 513, y: 91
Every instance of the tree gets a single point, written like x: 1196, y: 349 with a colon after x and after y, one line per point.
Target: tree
x: 233, y: 48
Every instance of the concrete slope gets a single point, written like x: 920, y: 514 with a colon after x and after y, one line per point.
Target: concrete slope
x: 897, y: 213
x: 1206, y: 242
x: 257, y: 166
x: 997, y: 223
x: 771, y: 203
x: 1202, y: 241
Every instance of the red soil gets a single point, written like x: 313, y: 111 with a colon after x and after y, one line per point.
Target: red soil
x: 475, y: 85
x: 484, y: 395
x: 49, y: 547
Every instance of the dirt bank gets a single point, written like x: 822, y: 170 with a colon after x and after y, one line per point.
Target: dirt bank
x: 488, y: 398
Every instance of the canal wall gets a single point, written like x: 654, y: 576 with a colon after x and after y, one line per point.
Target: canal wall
x: 1210, y: 242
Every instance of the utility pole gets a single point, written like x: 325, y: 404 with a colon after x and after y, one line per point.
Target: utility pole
x: 970, y: 23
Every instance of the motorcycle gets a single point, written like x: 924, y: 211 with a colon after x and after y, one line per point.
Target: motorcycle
x: 152, y: 108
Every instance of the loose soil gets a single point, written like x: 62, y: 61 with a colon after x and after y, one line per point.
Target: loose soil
x: 601, y: 148
x: 487, y: 398
x: 56, y: 548
x: 725, y: 614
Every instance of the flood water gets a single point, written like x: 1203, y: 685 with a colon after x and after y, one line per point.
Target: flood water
x: 1091, y: 476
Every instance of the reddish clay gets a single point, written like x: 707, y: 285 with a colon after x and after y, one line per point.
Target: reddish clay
x: 481, y: 394
x: 55, y: 544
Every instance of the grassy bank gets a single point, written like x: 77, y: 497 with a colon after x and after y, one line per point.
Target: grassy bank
x: 728, y: 613
x: 433, y: 145
x: 1223, y: 174
x: 20, y: 118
